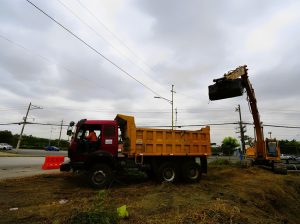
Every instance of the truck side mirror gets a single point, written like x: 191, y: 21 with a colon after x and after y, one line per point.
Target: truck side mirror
x: 69, y: 132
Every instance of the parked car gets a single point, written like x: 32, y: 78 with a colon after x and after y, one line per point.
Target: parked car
x: 51, y: 148
x: 5, y: 146
x: 284, y: 156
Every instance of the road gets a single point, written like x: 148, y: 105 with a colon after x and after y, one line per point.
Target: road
x: 27, y: 165
x: 29, y: 162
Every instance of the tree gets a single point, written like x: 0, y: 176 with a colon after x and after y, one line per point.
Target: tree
x: 249, y: 140
x: 229, y: 145
x: 6, y: 136
x: 289, y: 147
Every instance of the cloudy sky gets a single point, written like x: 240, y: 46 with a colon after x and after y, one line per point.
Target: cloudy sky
x: 154, y: 44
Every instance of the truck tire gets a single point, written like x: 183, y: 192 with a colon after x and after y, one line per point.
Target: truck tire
x: 100, y: 176
x: 167, y: 172
x: 191, y: 172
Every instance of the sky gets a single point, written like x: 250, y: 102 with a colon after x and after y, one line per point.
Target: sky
x: 101, y: 58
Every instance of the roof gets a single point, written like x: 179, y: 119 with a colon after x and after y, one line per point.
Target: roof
x: 112, y: 122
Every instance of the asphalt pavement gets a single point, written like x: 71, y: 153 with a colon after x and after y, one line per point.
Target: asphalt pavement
x: 28, y: 162
x: 25, y: 162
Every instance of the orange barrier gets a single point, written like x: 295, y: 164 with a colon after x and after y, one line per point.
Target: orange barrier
x: 53, y: 162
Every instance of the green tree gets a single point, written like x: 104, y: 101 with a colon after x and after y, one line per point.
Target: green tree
x: 6, y: 136
x: 249, y: 140
x: 229, y: 144
x: 289, y: 147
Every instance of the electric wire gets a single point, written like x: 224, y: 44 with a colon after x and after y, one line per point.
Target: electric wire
x: 168, y: 126
x: 112, y: 33
x: 117, y: 38
x: 92, y: 48
x: 45, y: 58
x: 102, y: 37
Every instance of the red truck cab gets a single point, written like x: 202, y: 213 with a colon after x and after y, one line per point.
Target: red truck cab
x: 81, y: 149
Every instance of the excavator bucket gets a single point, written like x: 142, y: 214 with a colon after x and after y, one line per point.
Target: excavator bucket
x: 225, y: 88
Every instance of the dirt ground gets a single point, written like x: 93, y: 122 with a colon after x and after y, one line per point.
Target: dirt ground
x: 227, y: 194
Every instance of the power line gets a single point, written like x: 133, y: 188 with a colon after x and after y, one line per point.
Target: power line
x: 43, y: 57
x: 36, y: 123
x: 167, y: 126
x: 116, y: 37
x: 91, y: 47
x: 280, y: 126
x: 101, y: 36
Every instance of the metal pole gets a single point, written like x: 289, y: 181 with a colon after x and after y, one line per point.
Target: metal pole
x: 172, y: 102
x: 50, y: 137
x: 241, y: 130
x: 25, y: 119
x: 270, y: 133
x: 62, y: 121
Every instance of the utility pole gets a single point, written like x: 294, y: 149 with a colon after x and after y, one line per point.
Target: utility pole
x: 172, y: 102
x: 50, y: 136
x: 30, y: 107
x: 270, y: 133
x: 242, y: 129
x: 176, y: 116
x: 61, y: 125
x: 24, y: 122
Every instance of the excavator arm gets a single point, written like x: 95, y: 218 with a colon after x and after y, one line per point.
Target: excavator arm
x: 233, y: 84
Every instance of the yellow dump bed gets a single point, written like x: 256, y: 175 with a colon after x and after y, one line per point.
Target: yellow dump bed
x: 162, y: 142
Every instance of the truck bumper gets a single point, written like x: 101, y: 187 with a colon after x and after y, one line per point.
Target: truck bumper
x: 65, y: 167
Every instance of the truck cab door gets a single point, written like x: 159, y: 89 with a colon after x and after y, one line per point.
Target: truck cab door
x: 109, y: 139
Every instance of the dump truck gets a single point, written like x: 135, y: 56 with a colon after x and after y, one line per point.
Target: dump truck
x: 265, y: 151
x: 167, y: 155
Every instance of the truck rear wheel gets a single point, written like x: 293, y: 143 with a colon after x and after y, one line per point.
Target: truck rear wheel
x: 191, y: 172
x: 100, y: 176
x: 167, y: 172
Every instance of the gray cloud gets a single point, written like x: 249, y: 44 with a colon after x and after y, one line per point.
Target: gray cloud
x: 187, y: 44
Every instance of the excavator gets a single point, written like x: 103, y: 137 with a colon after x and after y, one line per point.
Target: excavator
x: 265, y: 152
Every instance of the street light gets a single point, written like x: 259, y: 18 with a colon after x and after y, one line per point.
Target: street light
x: 171, y: 102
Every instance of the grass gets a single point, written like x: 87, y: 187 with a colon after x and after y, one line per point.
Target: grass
x: 98, y: 213
x: 15, y: 154
x: 221, y: 162
x: 227, y: 194
x: 7, y: 154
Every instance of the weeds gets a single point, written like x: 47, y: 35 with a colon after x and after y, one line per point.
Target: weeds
x: 221, y: 162
x: 98, y: 214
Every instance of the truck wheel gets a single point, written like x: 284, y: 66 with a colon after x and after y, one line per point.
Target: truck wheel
x: 100, y: 175
x: 167, y: 172
x: 191, y: 172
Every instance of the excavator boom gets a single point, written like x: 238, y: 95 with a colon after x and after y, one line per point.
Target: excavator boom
x: 233, y: 84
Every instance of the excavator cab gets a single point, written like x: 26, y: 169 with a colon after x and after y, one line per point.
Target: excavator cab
x: 272, y: 149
